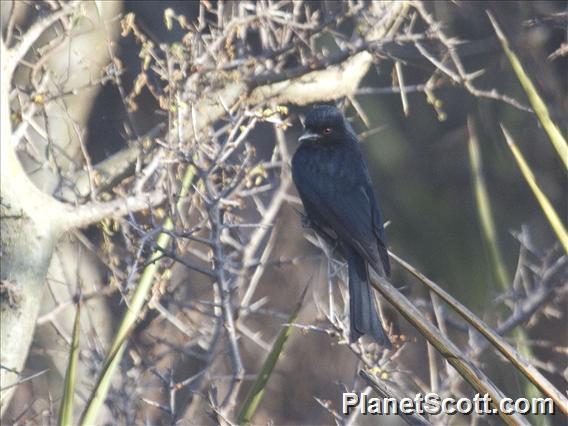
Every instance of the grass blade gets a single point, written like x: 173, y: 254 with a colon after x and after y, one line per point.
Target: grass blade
x: 490, y: 237
x: 529, y: 371
x: 66, y: 410
x: 484, y: 208
x: 453, y: 355
x: 103, y: 384
x: 545, y: 204
x: 535, y: 100
x: 411, y: 419
x: 131, y: 315
x: 256, y: 393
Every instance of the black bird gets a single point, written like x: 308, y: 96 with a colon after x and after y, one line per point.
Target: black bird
x: 335, y: 187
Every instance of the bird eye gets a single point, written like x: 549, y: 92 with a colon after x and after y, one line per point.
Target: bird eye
x: 327, y: 131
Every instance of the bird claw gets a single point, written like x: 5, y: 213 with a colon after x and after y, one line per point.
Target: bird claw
x: 304, y: 219
x: 306, y: 222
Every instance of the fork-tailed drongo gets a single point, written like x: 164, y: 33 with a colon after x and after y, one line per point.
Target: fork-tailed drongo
x: 335, y: 187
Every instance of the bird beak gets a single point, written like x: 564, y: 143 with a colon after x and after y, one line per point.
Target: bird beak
x: 309, y: 136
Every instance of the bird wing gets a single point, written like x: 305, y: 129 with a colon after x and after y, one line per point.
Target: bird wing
x: 378, y: 228
x: 355, y: 218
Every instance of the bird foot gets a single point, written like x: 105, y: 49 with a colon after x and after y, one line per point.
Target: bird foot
x: 306, y: 222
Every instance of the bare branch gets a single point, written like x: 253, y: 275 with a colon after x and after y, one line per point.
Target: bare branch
x: 16, y: 54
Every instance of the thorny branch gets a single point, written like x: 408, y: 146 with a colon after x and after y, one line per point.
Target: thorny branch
x: 235, y: 67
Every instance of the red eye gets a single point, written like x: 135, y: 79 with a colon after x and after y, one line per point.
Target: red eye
x: 327, y: 131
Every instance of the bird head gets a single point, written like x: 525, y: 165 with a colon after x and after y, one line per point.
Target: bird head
x: 324, y: 123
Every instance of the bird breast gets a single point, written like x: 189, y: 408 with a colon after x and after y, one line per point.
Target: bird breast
x: 333, y: 165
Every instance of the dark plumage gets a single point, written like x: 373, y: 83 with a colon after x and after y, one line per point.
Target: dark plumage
x: 335, y: 187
